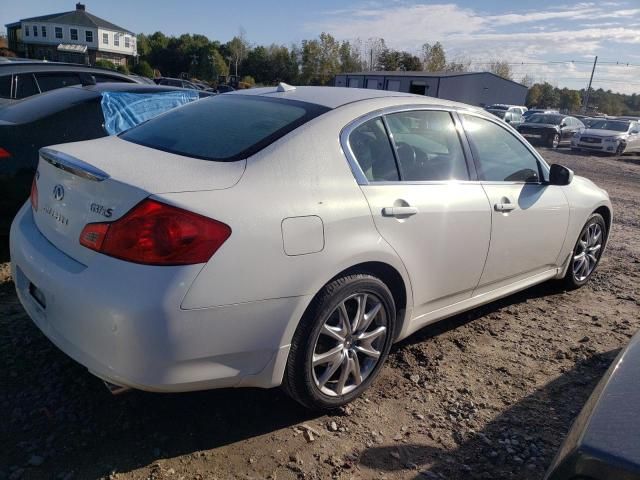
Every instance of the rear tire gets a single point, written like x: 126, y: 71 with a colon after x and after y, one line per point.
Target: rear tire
x: 586, y: 253
x: 333, y: 361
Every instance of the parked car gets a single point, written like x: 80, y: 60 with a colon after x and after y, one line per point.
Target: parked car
x: 532, y: 111
x: 175, y: 82
x: 514, y: 117
x: 589, y: 121
x: 551, y: 129
x: 225, y: 89
x: 290, y: 236
x: 610, y: 136
x: 507, y: 108
x: 23, y: 79
x: 603, y: 441
x: 66, y: 115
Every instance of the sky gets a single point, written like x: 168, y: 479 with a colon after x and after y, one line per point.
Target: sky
x: 554, y: 41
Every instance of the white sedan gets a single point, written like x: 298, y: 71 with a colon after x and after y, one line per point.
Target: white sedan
x: 290, y: 236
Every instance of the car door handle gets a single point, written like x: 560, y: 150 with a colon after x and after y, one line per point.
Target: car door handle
x: 504, y: 207
x: 399, y: 211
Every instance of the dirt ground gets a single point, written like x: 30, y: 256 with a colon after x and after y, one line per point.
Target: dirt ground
x: 487, y: 394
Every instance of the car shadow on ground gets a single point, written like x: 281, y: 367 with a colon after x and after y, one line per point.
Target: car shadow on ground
x: 519, y: 443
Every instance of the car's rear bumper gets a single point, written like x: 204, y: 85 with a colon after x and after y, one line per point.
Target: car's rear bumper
x: 123, y: 321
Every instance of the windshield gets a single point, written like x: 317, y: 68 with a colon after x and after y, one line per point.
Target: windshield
x: 618, y: 126
x: 497, y: 107
x: 224, y: 127
x: 544, y: 118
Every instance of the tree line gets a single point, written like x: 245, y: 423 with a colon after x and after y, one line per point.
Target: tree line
x: 545, y: 95
x: 311, y: 62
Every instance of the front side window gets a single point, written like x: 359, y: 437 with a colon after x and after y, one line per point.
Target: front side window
x: 25, y: 86
x: 427, y: 146
x: 43, y: 30
x: 58, y: 32
x: 500, y: 156
x: 52, y: 81
x: 74, y: 34
x: 105, y: 38
x: 88, y: 35
x: 223, y: 128
x: 372, y: 150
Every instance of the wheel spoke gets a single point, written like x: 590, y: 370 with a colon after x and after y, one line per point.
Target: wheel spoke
x: 355, y: 369
x: 334, y: 332
x: 344, y: 374
x: 329, y: 356
x: 369, y: 316
x: 360, y: 313
x: 344, y: 320
x: 328, y: 373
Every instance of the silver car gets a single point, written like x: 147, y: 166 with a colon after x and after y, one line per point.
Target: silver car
x: 289, y: 236
x: 611, y: 136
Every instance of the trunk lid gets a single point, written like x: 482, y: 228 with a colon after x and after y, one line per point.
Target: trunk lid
x: 101, y: 180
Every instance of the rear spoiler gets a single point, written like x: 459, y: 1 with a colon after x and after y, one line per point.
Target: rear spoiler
x: 72, y: 165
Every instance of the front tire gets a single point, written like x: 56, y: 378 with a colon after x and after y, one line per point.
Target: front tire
x: 586, y: 252
x: 341, y: 343
x: 554, y: 140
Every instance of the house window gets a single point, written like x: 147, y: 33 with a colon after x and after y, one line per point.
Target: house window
x: 116, y: 39
x: 26, y: 31
x: 88, y: 35
x: 44, y: 31
x: 74, y: 34
x: 35, y: 31
x: 127, y: 42
x: 105, y: 38
x: 58, y: 32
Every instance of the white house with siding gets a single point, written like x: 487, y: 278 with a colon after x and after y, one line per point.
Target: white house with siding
x: 76, y: 36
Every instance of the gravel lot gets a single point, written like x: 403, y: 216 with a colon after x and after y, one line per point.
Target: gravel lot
x: 487, y: 394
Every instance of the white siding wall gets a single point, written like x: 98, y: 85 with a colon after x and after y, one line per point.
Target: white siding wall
x: 132, y: 50
x: 51, y: 39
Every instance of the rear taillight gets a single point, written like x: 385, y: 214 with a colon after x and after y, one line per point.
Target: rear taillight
x: 4, y: 153
x: 154, y: 233
x: 34, y: 193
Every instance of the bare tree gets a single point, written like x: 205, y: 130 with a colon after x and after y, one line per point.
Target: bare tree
x: 500, y: 68
x: 373, y: 48
x: 527, y: 80
x: 238, y: 48
x: 433, y: 57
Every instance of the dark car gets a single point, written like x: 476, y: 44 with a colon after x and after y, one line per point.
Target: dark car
x: 68, y: 115
x: 604, y: 442
x: 551, y: 129
x: 176, y: 82
x: 533, y: 111
x: 23, y: 79
x: 225, y: 89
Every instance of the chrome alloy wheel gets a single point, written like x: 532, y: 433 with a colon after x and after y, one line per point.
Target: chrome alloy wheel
x: 587, y: 253
x: 349, y: 344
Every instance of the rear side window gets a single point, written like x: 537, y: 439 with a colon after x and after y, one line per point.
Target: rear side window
x: 106, y: 78
x: 26, y: 86
x: 371, y: 148
x: 51, y: 81
x: 225, y: 127
x: 427, y: 146
x: 5, y: 86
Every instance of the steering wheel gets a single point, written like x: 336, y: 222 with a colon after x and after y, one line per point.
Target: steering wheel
x: 406, y: 153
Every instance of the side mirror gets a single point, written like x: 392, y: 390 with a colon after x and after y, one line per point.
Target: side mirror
x: 560, y: 175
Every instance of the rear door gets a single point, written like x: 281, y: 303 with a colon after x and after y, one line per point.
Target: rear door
x: 529, y: 216
x: 414, y: 174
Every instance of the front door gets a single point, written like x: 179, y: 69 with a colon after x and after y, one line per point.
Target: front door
x: 423, y: 203
x: 529, y: 216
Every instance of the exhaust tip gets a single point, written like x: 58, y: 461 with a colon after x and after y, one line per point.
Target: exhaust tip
x: 115, y: 389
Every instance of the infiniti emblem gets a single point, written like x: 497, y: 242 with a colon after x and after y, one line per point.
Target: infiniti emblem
x: 58, y: 192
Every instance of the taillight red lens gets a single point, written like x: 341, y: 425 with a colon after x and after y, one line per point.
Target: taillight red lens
x: 154, y: 233
x: 4, y: 153
x: 34, y: 194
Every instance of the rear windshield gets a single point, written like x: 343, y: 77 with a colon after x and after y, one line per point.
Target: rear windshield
x: 548, y: 119
x: 224, y: 127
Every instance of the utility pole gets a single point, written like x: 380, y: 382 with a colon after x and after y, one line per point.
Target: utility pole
x: 586, y: 99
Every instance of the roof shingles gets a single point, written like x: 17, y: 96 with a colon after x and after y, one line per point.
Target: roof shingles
x: 80, y: 18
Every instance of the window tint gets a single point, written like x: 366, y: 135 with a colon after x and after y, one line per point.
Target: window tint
x: 427, y: 145
x: 500, y: 155
x: 5, y: 86
x: 51, y: 81
x: 225, y: 127
x: 26, y: 86
x: 106, y: 78
x: 371, y: 147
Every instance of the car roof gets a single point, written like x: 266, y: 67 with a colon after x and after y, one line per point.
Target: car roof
x: 7, y: 68
x: 331, y: 97
x: 48, y: 103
